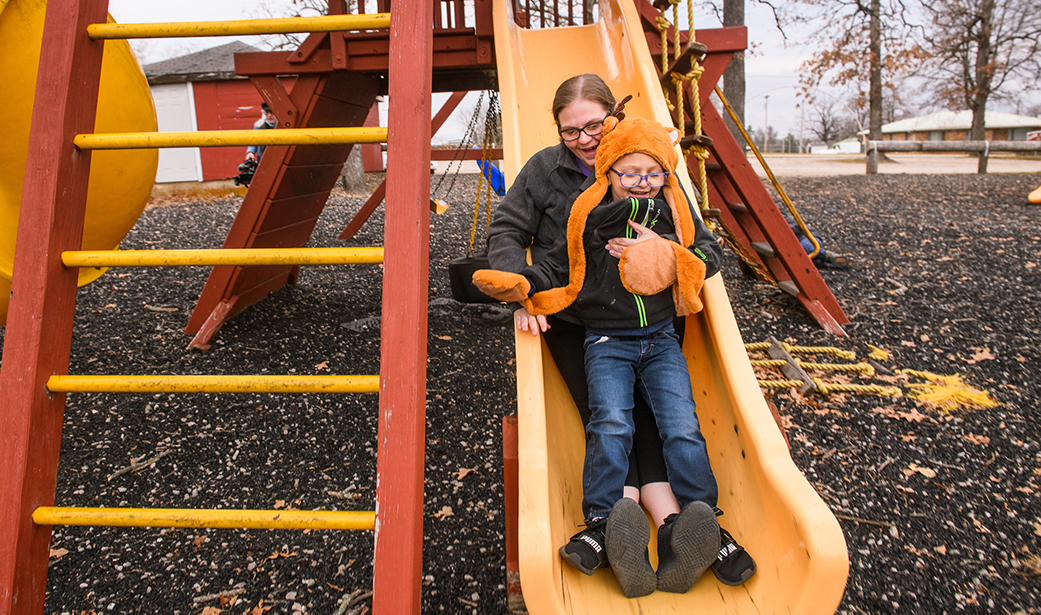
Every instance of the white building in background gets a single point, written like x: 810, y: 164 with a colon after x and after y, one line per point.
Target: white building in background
x: 955, y: 125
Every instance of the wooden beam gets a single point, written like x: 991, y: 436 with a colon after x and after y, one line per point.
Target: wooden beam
x: 39, y: 324
x: 377, y: 195
x: 398, y: 561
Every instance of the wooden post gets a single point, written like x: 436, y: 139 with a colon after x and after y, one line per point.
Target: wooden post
x: 43, y: 295
x: 514, y: 593
x: 398, y: 561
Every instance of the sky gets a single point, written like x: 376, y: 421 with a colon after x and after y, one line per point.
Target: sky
x: 770, y: 67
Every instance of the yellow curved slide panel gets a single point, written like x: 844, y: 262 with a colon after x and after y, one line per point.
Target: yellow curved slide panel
x: 120, y: 182
x: 770, y: 507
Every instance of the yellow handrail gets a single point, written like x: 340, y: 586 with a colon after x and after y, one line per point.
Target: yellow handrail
x: 784, y: 196
x: 212, y: 384
x: 229, y: 519
x: 220, y: 138
x: 213, y: 258
x: 243, y: 27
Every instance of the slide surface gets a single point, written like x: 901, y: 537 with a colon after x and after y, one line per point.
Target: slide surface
x: 770, y: 507
x: 120, y: 180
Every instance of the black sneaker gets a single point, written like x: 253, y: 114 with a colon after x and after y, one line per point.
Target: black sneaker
x: 828, y: 260
x: 688, y: 543
x: 586, y: 549
x: 733, y: 565
x: 628, y: 536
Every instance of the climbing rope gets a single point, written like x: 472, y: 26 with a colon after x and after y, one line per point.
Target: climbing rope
x: 825, y: 388
x: 948, y: 393
x: 822, y: 387
x: 860, y: 368
x: 773, y: 179
x: 692, y: 77
x: 838, y: 352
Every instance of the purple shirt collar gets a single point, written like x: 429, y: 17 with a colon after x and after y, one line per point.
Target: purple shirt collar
x: 582, y: 167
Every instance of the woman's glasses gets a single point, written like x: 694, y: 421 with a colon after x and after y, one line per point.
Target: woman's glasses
x: 592, y: 129
x: 631, y: 180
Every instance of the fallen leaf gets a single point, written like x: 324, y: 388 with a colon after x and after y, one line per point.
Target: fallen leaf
x: 461, y: 474
x: 110, y: 305
x: 211, y: 610
x: 982, y: 354
x: 923, y: 337
x: 907, y: 343
x: 59, y: 553
x: 915, y: 468
x: 321, y: 366
x: 973, y: 438
x: 199, y: 540
x: 226, y: 601
x: 260, y: 609
x: 908, y: 438
x: 1031, y: 265
x: 979, y: 527
x: 914, y: 416
x: 445, y: 511
x: 942, y: 549
x: 279, y: 503
x: 444, y: 337
x: 1037, y: 528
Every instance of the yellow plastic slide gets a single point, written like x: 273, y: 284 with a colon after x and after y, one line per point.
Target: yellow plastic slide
x: 770, y: 507
x: 120, y: 181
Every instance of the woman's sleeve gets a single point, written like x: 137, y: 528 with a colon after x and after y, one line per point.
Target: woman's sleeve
x: 514, y: 225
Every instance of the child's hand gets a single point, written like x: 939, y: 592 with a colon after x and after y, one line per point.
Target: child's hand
x: 618, y: 245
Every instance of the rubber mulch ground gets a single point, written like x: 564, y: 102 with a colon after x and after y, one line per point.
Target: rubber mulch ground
x: 940, y: 509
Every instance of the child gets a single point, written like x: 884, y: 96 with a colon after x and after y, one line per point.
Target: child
x: 627, y: 307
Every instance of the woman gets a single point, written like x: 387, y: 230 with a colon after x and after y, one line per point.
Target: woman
x: 533, y: 215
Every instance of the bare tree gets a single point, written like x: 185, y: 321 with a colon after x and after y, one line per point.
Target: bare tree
x: 266, y: 9
x: 863, y: 46
x: 980, y: 47
x: 826, y: 125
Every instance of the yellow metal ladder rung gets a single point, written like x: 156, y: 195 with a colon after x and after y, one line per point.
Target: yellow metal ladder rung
x: 212, y: 384
x: 242, y: 27
x: 222, y: 138
x: 241, y: 257
x: 187, y: 517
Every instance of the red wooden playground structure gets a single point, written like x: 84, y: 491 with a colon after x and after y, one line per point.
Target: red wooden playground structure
x: 407, y: 51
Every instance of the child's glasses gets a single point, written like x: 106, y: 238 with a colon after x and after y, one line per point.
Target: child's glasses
x: 631, y: 180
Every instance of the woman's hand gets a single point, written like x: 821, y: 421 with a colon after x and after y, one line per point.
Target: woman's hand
x: 618, y: 245
x: 526, y: 322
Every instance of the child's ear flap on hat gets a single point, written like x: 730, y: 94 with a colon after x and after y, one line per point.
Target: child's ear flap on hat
x: 609, y: 123
x: 674, y: 135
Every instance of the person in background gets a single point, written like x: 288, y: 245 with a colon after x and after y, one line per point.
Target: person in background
x: 267, y: 121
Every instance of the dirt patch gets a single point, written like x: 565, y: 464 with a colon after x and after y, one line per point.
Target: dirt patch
x: 939, y: 510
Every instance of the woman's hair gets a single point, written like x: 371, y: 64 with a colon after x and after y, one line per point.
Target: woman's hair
x: 582, y: 87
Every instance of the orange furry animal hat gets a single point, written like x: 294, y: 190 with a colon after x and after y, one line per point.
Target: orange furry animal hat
x: 647, y: 267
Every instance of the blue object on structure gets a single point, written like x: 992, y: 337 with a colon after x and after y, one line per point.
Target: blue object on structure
x: 494, y: 175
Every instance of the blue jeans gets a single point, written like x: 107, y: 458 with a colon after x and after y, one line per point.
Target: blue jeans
x: 614, y: 365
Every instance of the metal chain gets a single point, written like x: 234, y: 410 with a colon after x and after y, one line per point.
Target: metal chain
x: 464, y: 145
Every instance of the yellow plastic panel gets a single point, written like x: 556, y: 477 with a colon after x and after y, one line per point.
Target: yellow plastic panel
x: 120, y: 182
x: 1035, y: 196
x: 770, y: 507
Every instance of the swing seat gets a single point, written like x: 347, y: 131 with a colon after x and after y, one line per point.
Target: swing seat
x: 460, y: 278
